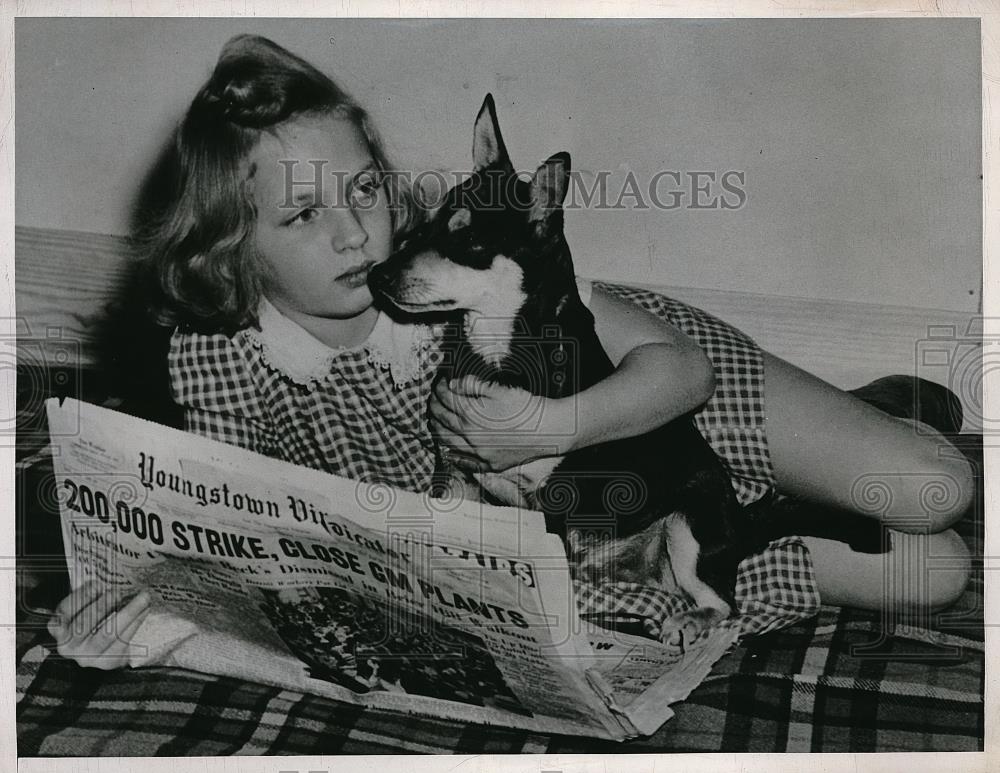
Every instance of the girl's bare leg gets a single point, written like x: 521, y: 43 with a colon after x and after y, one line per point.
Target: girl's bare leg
x: 922, y: 573
x: 829, y: 447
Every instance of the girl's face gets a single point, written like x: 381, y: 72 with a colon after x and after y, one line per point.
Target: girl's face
x: 322, y: 218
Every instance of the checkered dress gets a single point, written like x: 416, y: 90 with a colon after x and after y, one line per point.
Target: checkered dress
x: 733, y: 418
x: 360, y: 419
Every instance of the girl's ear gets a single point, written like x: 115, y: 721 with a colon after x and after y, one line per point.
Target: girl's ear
x: 548, y: 187
x: 487, y: 142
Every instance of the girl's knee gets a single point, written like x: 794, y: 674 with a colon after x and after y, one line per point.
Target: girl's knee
x: 947, y: 580
x: 928, y: 572
x: 949, y: 502
x: 930, y: 493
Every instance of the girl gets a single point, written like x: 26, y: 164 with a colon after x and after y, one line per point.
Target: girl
x: 280, y: 207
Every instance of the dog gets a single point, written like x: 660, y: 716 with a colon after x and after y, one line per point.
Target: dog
x: 658, y: 509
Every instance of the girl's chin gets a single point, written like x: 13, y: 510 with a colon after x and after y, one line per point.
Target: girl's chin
x: 359, y: 302
x: 338, y: 302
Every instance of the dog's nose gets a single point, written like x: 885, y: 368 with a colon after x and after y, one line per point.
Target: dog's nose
x: 378, y: 278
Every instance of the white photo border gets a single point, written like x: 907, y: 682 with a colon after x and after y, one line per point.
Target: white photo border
x: 989, y: 13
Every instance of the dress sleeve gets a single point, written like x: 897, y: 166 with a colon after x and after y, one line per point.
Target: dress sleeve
x: 210, y: 381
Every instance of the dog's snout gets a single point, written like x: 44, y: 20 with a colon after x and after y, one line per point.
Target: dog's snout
x: 378, y: 278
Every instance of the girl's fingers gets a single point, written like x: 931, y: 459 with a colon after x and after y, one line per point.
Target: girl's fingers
x: 126, y: 633
x: 77, y: 599
x: 466, y: 460
x: 114, y: 657
x: 108, y: 649
x: 105, y: 654
x: 450, y: 410
x: 453, y: 438
x: 470, y: 386
x: 445, y: 418
x: 89, y: 622
x: 135, y: 608
x: 455, y: 448
x: 106, y: 661
x: 104, y: 650
x: 456, y: 394
x: 99, y: 628
x: 444, y: 395
x: 452, y: 423
x: 444, y: 406
x: 117, y: 611
x: 55, y: 625
x: 70, y: 612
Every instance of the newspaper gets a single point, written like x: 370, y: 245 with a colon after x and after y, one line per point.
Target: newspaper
x: 266, y: 571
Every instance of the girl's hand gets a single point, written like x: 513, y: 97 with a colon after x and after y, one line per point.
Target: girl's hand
x: 89, y: 630
x: 491, y: 427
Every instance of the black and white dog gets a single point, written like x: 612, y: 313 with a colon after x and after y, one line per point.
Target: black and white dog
x: 658, y: 509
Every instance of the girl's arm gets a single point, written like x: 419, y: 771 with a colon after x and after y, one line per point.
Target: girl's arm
x: 660, y: 374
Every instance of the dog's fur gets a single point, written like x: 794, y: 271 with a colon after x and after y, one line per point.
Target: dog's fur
x: 658, y: 509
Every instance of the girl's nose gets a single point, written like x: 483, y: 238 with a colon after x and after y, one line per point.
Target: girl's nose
x: 348, y: 232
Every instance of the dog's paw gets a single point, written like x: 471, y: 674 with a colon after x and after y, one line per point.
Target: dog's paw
x: 685, y: 630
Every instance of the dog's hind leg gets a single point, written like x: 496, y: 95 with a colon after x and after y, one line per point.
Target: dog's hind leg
x: 772, y: 519
x: 710, y: 608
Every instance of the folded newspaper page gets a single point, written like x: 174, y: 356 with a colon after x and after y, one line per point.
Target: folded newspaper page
x: 266, y: 571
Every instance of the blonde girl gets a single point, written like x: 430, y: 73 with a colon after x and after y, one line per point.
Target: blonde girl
x: 282, y: 200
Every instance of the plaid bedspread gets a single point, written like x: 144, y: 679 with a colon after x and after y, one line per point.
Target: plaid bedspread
x: 844, y: 681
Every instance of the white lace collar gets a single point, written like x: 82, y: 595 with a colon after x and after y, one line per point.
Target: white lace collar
x: 291, y: 350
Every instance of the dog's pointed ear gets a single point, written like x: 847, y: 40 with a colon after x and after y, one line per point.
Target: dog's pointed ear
x: 548, y: 188
x: 487, y: 142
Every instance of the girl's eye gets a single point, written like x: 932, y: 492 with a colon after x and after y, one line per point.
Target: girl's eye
x: 306, y: 215
x: 365, y: 189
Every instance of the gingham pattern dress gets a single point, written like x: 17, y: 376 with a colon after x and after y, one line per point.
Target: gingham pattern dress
x: 358, y: 412
x: 361, y: 413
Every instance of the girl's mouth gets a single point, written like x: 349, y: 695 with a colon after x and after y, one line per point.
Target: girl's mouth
x: 357, y: 276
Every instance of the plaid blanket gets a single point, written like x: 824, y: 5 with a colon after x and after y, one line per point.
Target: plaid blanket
x: 843, y: 681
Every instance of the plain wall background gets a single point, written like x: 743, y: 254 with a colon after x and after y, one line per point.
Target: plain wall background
x: 860, y: 139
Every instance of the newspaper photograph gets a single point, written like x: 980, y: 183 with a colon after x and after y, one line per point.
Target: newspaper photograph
x: 262, y: 570
x: 692, y: 300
